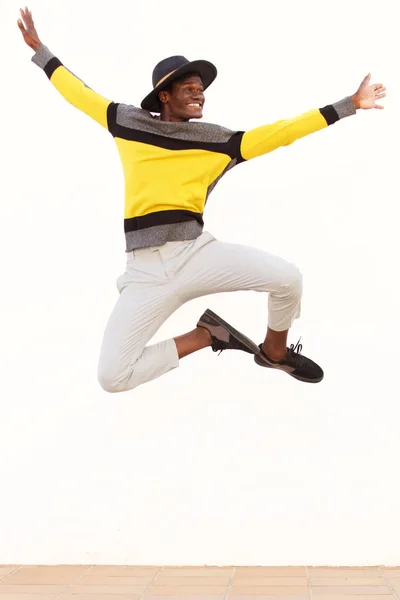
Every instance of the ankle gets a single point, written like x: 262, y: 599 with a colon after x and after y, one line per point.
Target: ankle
x: 274, y: 353
x: 204, y: 335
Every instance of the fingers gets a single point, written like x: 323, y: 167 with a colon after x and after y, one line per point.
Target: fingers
x: 29, y: 14
x: 24, y: 17
x: 379, y: 91
x: 27, y: 17
x: 26, y: 24
x: 21, y: 25
x: 379, y: 106
x: 366, y: 79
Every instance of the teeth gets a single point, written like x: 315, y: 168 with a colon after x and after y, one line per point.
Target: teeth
x: 193, y: 104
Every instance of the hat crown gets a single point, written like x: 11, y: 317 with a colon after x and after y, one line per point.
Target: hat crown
x: 167, y: 66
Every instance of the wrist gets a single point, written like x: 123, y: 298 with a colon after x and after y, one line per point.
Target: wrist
x: 355, y: 100
x: 36, y: 45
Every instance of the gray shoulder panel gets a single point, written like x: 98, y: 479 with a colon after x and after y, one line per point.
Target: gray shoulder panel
x: 136, y: 118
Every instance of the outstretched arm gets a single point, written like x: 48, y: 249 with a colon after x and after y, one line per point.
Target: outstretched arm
x: 70, y: 86
x: 266, y: 138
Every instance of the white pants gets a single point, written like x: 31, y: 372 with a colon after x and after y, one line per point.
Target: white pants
x: 159, y: 280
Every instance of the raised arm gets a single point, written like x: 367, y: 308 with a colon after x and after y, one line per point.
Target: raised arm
x: 266, y: 138
x: 75, y: 91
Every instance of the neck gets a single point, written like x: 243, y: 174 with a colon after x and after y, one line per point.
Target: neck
x: 167, y: 116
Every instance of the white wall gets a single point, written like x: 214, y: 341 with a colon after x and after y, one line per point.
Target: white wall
x: 218, y: 462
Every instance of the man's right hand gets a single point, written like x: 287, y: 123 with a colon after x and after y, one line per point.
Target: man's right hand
x: 29, y: 32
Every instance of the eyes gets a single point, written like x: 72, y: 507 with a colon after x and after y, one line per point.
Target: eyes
x: 194, y: 88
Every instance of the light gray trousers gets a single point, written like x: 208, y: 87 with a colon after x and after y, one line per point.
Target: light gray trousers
x: 159, y: 280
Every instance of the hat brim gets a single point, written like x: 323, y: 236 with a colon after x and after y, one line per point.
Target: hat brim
x: 205, y: 69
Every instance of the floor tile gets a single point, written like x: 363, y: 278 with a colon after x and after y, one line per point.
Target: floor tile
x: 58, y: 569
x: 28, y: 597
x: 31, y: 589
x: 191, y: 581
x: 181, y: 590
x: 395, y: 586
x: 105, y: 589
x: 121, y: 571
x: 271, y: 571
x: 196, y: 572
x: 350, y: 590
x: 344, y: 572
x: 269, y: 590
x: 275, y: 581
x: 110, y: 580
x: 182, y: 597
x: 4, y: 571
x: 51, y: 580
x: 250, y: 596
x: 346, y: 581
x: 45, y: 575
x: 68, y: 596
x: 350, y: 597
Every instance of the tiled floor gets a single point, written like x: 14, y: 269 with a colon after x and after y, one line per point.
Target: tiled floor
x: 198, y: 583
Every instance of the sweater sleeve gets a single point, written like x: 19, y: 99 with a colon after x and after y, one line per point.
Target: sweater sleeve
x: 266, y: 138
x: 71, y: 87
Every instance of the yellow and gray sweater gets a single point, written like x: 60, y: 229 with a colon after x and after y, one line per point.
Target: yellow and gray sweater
x: 171, y: 168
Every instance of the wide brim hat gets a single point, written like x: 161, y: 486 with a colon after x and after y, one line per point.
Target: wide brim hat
x: 172, y: 68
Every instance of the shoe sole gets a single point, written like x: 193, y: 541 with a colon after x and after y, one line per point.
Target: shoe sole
x: 252, y: 348
x: 262, y: 363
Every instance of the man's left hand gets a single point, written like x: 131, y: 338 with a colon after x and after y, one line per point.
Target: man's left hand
x: 367, y: 95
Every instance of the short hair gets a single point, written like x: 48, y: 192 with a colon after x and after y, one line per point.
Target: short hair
x: 180, y: 79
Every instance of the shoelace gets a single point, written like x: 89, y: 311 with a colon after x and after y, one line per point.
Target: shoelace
x: 218, y: 346
x: 295, y: 351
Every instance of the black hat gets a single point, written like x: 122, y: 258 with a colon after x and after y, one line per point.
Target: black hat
x: 171, y: 68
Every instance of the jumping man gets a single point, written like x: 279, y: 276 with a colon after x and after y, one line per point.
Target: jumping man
x: 171, y: 165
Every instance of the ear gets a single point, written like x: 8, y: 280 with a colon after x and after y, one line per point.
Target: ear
x: 163, y: 97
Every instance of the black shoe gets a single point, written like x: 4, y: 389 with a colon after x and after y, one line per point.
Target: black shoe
x: 298, y: 366
x: 224, y: 336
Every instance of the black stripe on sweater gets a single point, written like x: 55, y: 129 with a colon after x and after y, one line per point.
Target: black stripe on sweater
x: 162, y: 217
x: 51, y: 66
x: 231, y: 147
x: 329, y: 113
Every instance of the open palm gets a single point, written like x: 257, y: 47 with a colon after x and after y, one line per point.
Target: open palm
x: 367, y: 95
x: 27, y: 28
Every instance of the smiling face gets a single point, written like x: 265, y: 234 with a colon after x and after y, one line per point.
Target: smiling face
x: 183, y: 100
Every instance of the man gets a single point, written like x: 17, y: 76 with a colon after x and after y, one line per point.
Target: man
x: 171, y: 165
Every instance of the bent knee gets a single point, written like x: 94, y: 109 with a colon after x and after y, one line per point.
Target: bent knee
x: 109, y: 384
x: 296, y: 282
x: 292, y: 279
x: 114, y: 383
x: 115, y: 375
